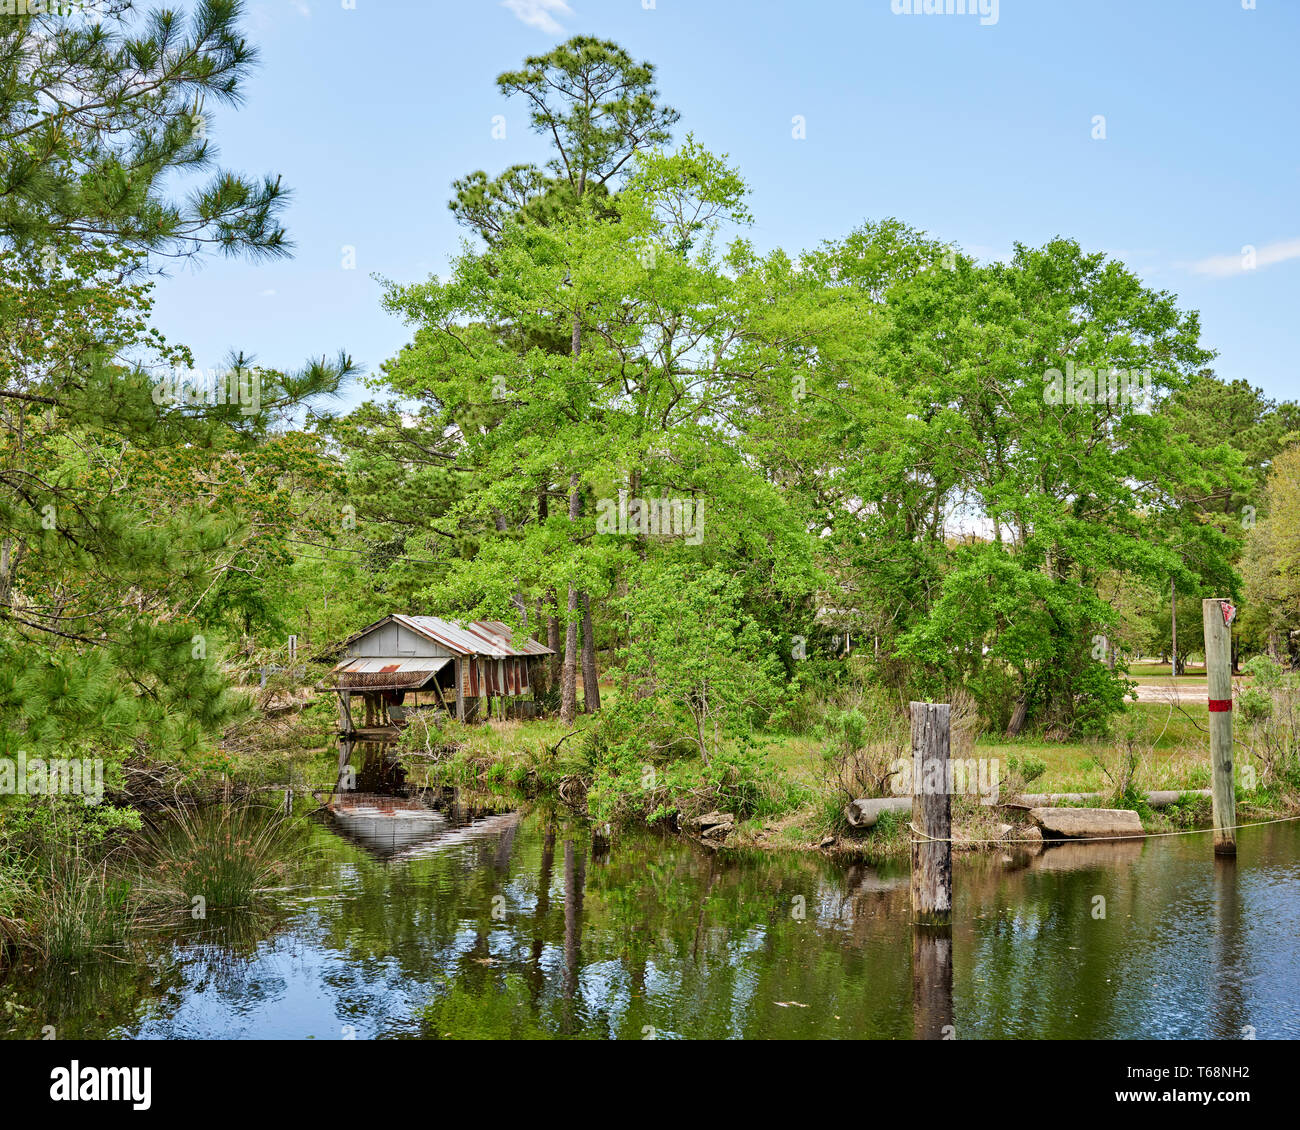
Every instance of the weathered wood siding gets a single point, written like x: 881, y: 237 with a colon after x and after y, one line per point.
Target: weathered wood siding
x: 394, y: 640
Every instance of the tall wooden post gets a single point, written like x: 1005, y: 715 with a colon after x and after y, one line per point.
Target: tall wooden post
x: 1217, y: 615
x: 931, y: 816
x: 342, y: 783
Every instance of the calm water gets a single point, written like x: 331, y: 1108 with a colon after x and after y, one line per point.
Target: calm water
x: 511, y: 927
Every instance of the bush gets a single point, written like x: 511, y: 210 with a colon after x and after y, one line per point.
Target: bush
x: 995, y: 690
x: 1255, y: 706
x: 1025, y: 770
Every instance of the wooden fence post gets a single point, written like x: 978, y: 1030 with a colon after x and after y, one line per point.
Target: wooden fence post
x: 931, y: 816
x: 1217, y: 616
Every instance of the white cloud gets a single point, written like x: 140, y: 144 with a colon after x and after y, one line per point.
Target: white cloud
x: 267, y: 293
x: 1225, y: 266
x: 302, y: 8
x: 540, y: 13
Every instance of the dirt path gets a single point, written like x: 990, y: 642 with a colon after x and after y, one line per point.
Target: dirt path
x: 1180, y: 693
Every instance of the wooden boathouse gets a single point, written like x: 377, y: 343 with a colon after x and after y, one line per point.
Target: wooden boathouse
x: 458, y: 667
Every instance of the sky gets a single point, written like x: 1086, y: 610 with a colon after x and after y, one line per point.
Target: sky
x: 1162, y: 132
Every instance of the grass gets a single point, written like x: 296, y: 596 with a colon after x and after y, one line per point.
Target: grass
x: 1174, y: 741
x: 66, y: 909
x: 225, y: 855
x: 1168, y: 747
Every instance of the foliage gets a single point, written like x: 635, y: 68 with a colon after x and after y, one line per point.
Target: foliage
x: 1272, y: 561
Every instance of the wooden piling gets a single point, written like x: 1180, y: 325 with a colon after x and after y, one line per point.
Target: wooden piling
x: 1217, y: 616
x: 932, y: 1012
x: 931, y: 816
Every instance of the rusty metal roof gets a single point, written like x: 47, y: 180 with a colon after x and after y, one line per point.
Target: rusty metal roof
x: 388, y: 674
x: 488, y: 638
x: 506, y: 634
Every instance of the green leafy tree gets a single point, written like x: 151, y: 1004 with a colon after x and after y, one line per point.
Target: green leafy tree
x: 1059, y: 491
x: 131, y: 522
x: 1271, y: 567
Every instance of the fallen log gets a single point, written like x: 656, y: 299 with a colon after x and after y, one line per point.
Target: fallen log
x: 1160, y: 799
x: 865, y: 811
x: 1086, y: 823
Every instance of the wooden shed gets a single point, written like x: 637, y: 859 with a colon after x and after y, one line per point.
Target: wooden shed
x: 457, y: 665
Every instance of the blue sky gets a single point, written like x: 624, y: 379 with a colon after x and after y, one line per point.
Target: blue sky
x: 976, y: 132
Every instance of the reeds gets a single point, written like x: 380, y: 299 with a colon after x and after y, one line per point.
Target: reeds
x: 67, y: 909
x: 218, y: 856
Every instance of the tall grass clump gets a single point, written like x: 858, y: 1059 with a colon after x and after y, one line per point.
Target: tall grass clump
x: 70, y: 909
x: 15, y: 893
x: 227, y: 855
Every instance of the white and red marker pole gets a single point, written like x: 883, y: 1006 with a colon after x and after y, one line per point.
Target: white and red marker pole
x: 1217, y: 616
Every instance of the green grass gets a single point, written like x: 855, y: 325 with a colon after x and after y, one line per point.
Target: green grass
x: 518, y: 759
x: 1173, y: 741
x: 67, y: 909
x: 1175, y: 752
x: 226, y: 855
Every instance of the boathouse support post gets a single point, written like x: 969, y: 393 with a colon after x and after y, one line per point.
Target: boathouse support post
x: 1217, y: 616
x: 931, y: 816
x: 460, y: 689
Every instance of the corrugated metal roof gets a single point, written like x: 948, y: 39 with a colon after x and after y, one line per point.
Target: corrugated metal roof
x: 531, y: 647
x: 489, y: 638
x: 388, y: 674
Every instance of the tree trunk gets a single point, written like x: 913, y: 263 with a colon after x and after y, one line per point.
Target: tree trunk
x: 1174, y: 665
x: 1017, y: 718
x: 569, y: 688
x: 590, y: 676
x: 553, y: 642
x: 569, y: 677
x: 6, y: 574
x: 539, y: 623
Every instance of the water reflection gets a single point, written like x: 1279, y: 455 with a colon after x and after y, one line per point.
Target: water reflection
x: 385, y: 825
x: 932, y: 983
x: 503, y: 925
